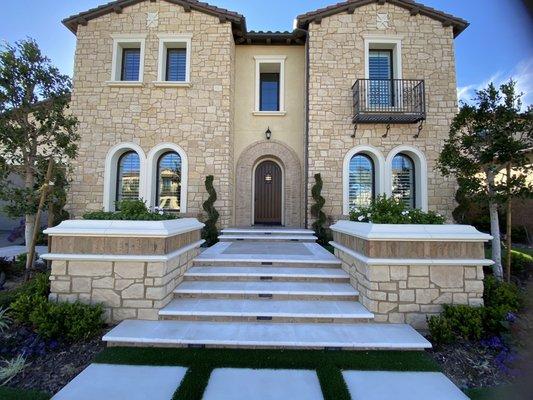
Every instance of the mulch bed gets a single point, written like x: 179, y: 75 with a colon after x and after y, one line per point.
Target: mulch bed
x: 51, y: 364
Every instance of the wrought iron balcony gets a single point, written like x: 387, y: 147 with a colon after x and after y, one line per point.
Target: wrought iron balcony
x: 389, y: 101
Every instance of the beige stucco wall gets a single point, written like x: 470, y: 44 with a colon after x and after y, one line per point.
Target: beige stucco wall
x: 288, y: 128
x: 287, y: 142
x: 337, y: 60
x: 198, y: 118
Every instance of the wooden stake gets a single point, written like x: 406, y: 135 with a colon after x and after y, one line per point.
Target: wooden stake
x: 37, y: 228
x: 509, y: 226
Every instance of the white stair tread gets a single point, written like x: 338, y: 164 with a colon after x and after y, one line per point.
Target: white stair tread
x: 273, y: 231
x: 288, y: 288
x: 257, y: 334
x: 267, y: 237
x: 267, y: 271
x: 268, y: 308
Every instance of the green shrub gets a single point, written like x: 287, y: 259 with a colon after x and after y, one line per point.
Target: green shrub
x: 520, y: 262
x: 130, y: 210
x: 440, y: 329
x: 70, y: 321
x: 465, y: 321
x: 385, y: 210
x: 210, y: 231
x: 502, y: 294
x: 316, y: 211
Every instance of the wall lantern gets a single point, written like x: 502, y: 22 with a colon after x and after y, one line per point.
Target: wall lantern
x: 268, y: 133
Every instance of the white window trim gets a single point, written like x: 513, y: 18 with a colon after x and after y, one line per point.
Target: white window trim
x: 153, y: 156
x: 393, y: 42
x: 163, y: 40
x: 270, y: 60
x: 110, y: 172
x: 421, y: 174
x: 118, y: 40
x: 379, y: 178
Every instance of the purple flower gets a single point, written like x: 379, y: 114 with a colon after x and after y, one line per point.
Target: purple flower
x: 510, y: 317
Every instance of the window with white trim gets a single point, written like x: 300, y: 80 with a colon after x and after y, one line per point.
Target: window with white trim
x: 403, y: 179
x: 270, y: 84
x: 128, y: 176
x: 128, y: 59
x: 361, y: 186
x: 168, y: 185
x: 174, y: 59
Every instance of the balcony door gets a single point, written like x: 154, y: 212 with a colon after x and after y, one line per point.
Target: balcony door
x: 380, y: 90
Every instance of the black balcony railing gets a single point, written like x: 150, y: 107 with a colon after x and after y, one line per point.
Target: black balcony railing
x: 389, y: 101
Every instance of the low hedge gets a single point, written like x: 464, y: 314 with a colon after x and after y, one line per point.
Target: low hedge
x: 130, y: 210
x: 385, y: 210
x: 501, y: 301
x: 55, y: 320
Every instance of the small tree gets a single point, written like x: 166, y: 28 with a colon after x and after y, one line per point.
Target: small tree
x: 486, y: 137
x: 35, y: 127
x: 210, y: 232
x: 316, y: 211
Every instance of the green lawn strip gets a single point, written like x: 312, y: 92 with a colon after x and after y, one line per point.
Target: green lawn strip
x: 194, y: 382
x: 20, y: 394
x: 273, y: 359
x: 332, y: 383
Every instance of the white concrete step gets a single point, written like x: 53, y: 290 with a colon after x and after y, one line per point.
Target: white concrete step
x: 265, y: 231
x: 266, y: 272
x: 266, y: 308
x: 356, y: 336
x: 267, y: 238
x: 322, y: 289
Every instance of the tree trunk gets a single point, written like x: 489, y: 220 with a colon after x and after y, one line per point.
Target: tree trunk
x: 496, y: 241
x: 28, y: 230
x: 509, y: 226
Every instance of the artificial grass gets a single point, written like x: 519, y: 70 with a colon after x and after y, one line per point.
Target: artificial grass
x: 20, y: 394
x: 328, y: 364
x: 271, y: 358
x: 490, y: 393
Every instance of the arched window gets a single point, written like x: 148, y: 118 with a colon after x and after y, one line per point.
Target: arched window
x: 403, y: 179
x: 128, y: 176
x: 361, y: 185
x: 168, y: 181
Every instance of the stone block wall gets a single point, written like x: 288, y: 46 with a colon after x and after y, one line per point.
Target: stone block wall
x: 401, y: 285
x: 128, y: 280
x: 337, y: 60
x: 198, y: 118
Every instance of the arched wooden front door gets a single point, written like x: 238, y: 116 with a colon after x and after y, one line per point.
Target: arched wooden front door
x: 268, y: 192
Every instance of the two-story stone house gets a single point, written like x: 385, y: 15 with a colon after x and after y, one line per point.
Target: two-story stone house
x: 170, y: 91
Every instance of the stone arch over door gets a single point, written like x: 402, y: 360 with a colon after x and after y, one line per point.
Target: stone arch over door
x: 292, y: 184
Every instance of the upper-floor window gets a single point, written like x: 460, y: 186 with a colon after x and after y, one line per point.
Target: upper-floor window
x: 174, y: 59
x: 128, y: 58
x: 131, y: 62
x: 380, y: 74
x: 270, y: 76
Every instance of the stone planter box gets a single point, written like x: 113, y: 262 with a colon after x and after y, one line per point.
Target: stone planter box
x: 131, y: 267
x: 405, y: 273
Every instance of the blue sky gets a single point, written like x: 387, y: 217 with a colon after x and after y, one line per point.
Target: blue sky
x: 497, y: 45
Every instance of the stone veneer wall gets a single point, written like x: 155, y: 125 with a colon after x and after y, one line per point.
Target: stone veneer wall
x: 337, y: 60
x: 407, y: 281
x: 197, y: 118
x: 121, y: 273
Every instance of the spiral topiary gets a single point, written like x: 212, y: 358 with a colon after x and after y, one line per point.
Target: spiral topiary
x: 316, y: 211
x: 209, y: 231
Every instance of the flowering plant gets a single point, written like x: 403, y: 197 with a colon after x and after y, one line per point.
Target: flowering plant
x: 385, y: 210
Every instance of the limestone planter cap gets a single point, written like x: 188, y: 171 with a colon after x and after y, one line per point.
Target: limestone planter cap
x: 411, y: 232
x: 153, y: 229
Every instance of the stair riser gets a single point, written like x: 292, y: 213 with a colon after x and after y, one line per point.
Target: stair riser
x: 199, y: 263
x: 231, y: 278
x: 218, y: 318
x: 227, y: 346
x: 268, y: 239
x: 256, y: 296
